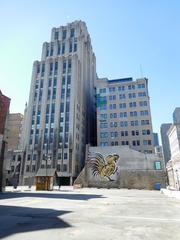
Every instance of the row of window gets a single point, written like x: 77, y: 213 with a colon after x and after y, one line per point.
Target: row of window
x: 61, y: 48
x: 133, y: 143
x: 131, y: 104
x: 54, y: 66
x: 124, y: 133
x: 32, y: 168
x: 122, y: 88
x: 125, y: 123
x: 64, y: 34
x: 130, y: 95
x: 52, y: 91
x: 104, y: 116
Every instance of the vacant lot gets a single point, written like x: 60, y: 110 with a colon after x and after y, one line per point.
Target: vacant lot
x: 89, y: 214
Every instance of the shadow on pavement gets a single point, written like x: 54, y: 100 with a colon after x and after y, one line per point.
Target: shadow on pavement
x: 23, y: 219
x: 60, y: 195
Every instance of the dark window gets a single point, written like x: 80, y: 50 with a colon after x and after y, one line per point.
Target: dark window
x: 64, y: 34
x: 72, y: 32
x: 56, y: 35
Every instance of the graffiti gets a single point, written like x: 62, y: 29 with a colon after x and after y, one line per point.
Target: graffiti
x: 103, y: 167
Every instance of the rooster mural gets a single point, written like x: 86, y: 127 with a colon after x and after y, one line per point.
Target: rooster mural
x: 103, y: 167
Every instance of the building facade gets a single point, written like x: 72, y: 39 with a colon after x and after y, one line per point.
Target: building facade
x: 176, y: 115
x: 165, y: 141
x: 173, y: 166
x: 4, y: 110
x: 123, y: 114
x: 14, y: 126
x: 61, y: 108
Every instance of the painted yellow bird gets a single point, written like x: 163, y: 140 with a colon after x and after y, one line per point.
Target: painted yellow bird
x: 103, y: 167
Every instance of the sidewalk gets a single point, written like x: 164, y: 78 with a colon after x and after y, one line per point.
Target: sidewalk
x: 170, y: 193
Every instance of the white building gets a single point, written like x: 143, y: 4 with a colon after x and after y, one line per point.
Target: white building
x: 123, y: 114
x: 61, y: 108
x: 173, y: 166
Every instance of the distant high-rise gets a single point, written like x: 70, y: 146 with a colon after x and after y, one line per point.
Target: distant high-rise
x: 61, y: 109
x: 176, y: 115
x: 165, y: 141
x: 123, y: 114
x: 156, y: 139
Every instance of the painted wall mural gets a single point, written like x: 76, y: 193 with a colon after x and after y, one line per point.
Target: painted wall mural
x: 104, y: 167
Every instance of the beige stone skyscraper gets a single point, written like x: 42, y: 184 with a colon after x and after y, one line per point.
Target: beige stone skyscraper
x: 123, y: 114
x: 61, y: 109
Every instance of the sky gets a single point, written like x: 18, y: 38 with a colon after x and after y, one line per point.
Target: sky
x: 130, y: 38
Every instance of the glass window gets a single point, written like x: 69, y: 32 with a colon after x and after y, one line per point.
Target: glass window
x: 56, y: 35
x: 157, y: 165
x: 64, y: 34
x: 72, y: 32
x: 63, y: 48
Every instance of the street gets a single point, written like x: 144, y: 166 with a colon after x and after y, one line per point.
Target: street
x: 87, y: 214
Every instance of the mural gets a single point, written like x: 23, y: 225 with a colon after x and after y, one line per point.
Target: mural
x: 103, y: 167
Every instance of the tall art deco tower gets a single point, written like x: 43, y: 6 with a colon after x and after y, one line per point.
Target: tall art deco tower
x: 61, y: 109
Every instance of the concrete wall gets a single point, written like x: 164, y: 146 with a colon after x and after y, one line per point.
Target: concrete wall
x: 131, y: 170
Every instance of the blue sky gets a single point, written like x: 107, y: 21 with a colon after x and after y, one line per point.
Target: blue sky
x: 127, y: 36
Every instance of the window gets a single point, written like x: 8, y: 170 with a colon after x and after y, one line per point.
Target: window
x: 59, y: 49
x: 134, y: 123
x: 132, y: 104
x: 141, y: 94
x: 103, y: 116
x: 103, y: 134
x: 136, y: 143
x: 112, y: 97
x: 56, y: 35
x: 122, y: 105
x: 62, y: 107
x: 141, y: 85
x: 42, y: 70
x: 102, y: 90
x: 65, y: 156
x: 64, y: 66
x: 51, y: 52
x: 63, y: 48
x: 135, y: 133
x: 103, y: 144
x: 121, y: 88
x: 113, y: 115
x: 123, y: 114
x: 27, y: 168
x: 69, y: 65
x: 103, y: 125
x: 146, y: 132
x: 63, y: 34
x: 123, y: 124
x: 157, y: 165
x: 144, y: 113
x: 72, y: 32
x: 114, y: 134
x: 130, y: 87
x: 146, y: 142
x: 132, y: 95
x: 133, y: 114
x: 143, y: 103
x: 122, y: 96
x: 145, y: 122
x: 113, y: 124
x: 75, y: 44
x: 70, y: 46
x: 112, y: 89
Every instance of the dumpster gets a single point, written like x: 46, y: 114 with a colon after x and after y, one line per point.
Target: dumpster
x: 157, y: 186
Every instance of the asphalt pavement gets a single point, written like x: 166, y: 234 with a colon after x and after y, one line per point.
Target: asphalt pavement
x: 89, y: 214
